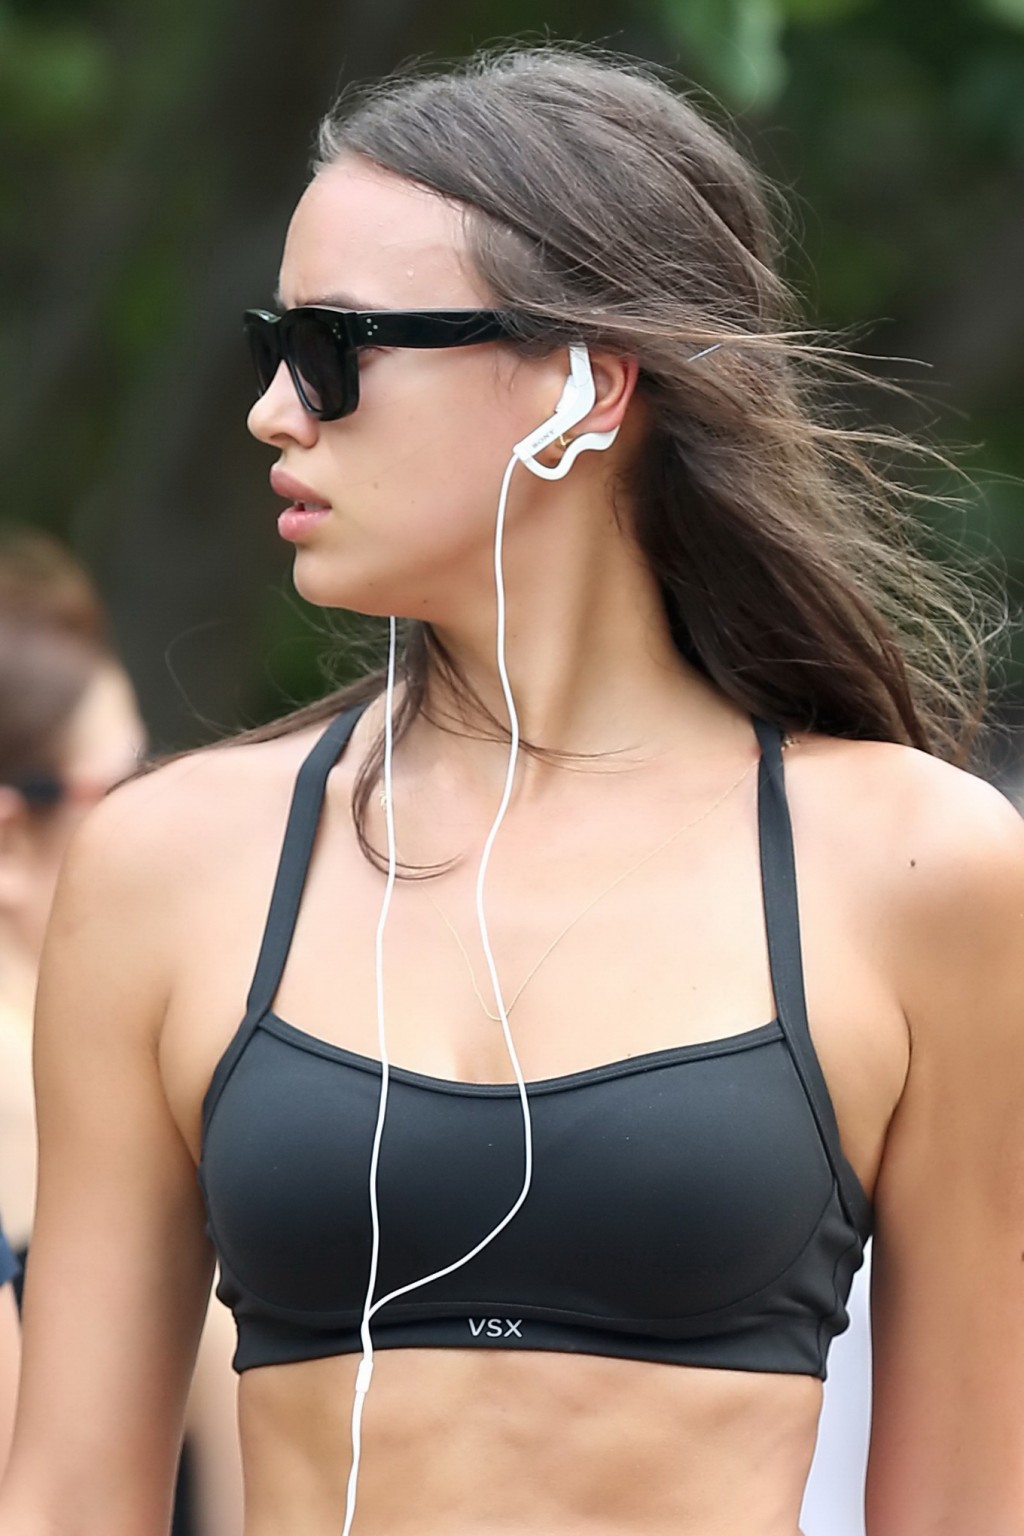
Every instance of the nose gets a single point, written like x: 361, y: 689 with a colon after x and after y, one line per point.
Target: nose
x: 278, y: 414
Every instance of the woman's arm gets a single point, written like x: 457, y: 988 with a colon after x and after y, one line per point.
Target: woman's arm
x: 10, y: 1356
x: 120, y: 1268
x: 211, y: 1422
x: 947, y: 1453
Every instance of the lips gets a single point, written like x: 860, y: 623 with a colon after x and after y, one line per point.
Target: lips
x: 304, y: 497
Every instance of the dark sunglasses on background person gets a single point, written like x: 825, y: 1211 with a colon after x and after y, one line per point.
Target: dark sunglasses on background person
x: 320, y: 346
x: 45, y: 790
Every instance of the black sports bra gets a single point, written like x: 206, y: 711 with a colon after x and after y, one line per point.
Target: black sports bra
x: 691, y: 1205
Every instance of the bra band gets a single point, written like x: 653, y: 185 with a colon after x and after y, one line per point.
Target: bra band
x: 782, y: 927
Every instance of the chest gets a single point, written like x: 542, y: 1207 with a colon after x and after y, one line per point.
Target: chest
x: 700, y: 1169
x: 599, y: 961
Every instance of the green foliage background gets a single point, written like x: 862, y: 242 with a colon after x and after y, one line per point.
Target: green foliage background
x: 151, y: 154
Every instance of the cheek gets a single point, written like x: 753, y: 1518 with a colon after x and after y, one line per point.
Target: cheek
x: 406, y: 539
x: 415, y: 477
x: 451, y: 405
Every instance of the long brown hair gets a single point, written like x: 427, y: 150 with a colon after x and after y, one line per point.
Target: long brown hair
x: 602, y: 207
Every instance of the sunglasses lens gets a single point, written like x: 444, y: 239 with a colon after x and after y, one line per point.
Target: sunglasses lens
x: 317, y: 358
x: 263, y: 349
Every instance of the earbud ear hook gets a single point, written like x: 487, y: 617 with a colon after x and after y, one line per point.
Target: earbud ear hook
x: 575, y: 402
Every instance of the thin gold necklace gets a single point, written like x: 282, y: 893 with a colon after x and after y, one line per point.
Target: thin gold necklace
x: 619, y: 879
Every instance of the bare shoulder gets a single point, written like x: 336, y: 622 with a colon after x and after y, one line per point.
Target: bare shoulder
x: 178, y: 820
x: 162, y: 859
x: 934, y: 852
x: 898, y: 807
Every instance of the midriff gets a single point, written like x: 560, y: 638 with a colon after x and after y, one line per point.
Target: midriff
x: 467, y: 1443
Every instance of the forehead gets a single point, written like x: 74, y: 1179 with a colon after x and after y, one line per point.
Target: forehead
x: 364, y: 238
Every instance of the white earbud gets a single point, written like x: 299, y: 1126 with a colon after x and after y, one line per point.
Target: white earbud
x: 575, y: 402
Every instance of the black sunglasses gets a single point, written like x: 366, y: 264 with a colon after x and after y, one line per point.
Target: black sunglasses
x: 319, y: 346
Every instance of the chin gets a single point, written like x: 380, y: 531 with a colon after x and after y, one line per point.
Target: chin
x: 324, y: 587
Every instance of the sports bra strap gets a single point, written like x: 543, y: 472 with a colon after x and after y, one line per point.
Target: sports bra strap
x: 782, y: 926
x: 296, y: 851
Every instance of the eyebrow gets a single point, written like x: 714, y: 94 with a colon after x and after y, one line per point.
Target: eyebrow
x: 331, y: 301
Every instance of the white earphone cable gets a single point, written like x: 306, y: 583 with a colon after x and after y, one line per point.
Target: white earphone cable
x: 364, y: 1372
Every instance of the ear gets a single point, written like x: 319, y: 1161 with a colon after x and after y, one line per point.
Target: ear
x: 591, y: 409
x: 615, y: 380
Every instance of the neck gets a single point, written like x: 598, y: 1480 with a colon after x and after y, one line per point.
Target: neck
x: 593, y: 668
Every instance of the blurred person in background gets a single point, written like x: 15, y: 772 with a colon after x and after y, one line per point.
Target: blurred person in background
x: 70, y: 730
x: 10, y: 1347
x: 540, y: 290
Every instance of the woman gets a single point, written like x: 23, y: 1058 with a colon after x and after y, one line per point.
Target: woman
x: 70, y: 730
x: 643, y: 1259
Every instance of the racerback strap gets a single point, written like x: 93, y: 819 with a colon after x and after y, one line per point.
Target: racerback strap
x: 782, y: 925
x: 296, y: 852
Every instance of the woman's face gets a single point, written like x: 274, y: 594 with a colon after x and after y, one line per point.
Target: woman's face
x: 411, y: 478
x: 101, y: 744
